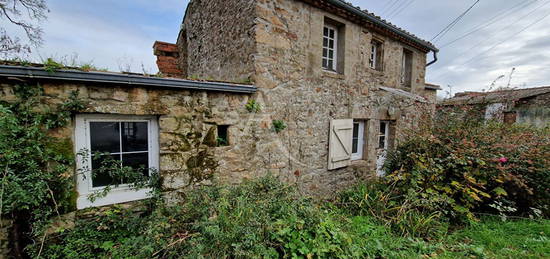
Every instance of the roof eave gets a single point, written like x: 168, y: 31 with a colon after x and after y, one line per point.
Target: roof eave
x: 122, y: 79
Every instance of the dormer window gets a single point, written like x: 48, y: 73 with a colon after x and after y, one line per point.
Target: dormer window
x: 330, y: 47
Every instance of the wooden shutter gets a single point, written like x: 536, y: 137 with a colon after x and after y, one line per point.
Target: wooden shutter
x: 340, y: 143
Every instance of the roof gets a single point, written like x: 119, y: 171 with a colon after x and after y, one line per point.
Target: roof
x: 496, y: 96
x: 9, y: 71
x: 363, y: 16
x: 405, y: 94
x: 372, y: 20
x: 432, y: 86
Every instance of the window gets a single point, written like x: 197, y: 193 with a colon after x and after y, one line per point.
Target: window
x: 406, y: 68
x: 132, y: 140
x: 383, y: 135
x: 223, y: 135
x: 376, y: 55
x: 358, y: 140
x: 330, y: 47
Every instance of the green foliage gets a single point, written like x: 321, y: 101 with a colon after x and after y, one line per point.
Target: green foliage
x: 261, y: 218
x: 35, y: 168
x: 221, y: 142
x: 253, y: 106
x: 278, y: 125
x: 460, y: 165
x: 50, y: 65
x: 404, y: 215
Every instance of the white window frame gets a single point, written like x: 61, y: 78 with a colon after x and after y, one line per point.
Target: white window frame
x: 360, y: 140
x: 122, y: 193
x: 386, y: 135
x: 374, y: 58
x: 334, y: 49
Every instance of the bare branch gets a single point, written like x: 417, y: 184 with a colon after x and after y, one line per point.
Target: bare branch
x: 10, y: 10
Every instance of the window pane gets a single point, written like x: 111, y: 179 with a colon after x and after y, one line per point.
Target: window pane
x: 330, y: 53
x: 134, y: 136
x: 325, y: 31
x: 355, y: 138
x: 383, y: 128
x: 325, y: 52
x: 325, y: 42
x: 331, y: 44
x: 105, y: 137
x: 330, y: 64
x: 100, y: 170
x: 325, y: 63
x: 331, y: 34
x: 382, y: 142
x: 138, y: 161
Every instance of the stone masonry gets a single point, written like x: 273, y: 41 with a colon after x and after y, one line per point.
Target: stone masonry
x: 282, y: 41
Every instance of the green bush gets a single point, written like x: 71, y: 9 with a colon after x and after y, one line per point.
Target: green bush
x: 257, y: 219
x: 461, y: 165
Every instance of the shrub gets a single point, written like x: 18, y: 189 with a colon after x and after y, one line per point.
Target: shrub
x: 461, y: 165
x: 257, y: 219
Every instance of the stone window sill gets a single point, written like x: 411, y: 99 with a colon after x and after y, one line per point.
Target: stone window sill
x: 332, y: 74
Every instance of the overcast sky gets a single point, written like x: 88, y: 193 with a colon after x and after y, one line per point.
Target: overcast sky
x: 510, y: 34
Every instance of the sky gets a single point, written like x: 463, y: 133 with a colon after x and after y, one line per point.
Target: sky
x: 498, y: 36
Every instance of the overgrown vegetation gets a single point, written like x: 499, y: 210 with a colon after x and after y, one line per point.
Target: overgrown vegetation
x: 265, y: 218
x: 465, y: 166
x: 253, y: 106
x: 36, y: 169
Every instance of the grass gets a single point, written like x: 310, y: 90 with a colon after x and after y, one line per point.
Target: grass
x: 490, y: 238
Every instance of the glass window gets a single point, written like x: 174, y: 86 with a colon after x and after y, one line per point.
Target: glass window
x: 129, y: 141
x: 330, y: 44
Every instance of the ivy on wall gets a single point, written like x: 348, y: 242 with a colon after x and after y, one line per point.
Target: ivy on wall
x: 36, y: 169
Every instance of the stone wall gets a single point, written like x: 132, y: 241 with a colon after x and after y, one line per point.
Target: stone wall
x: 287, y: 40
x: 218, y: 34
x: 534, y: 111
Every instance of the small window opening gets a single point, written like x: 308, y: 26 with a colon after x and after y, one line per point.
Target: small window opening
x: 358, y: 140
x: 406, y: 68
x: 376, y: 55
x: 223, y: 136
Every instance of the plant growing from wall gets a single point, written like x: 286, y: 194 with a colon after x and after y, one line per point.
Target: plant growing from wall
x: 50, y: 65
x: 253, y: 106
x: 278, y: 125
x: 36, y: 169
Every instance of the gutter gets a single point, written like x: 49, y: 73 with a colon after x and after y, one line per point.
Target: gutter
x: 123, y: 79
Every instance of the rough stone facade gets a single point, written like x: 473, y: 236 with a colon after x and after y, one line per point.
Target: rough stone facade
x: 219, y: 33
x: 284, y: 46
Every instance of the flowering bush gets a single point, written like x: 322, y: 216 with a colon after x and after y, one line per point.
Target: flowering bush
x: 463, y: 165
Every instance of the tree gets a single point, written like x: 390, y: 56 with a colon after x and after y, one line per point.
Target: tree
x: 12, y: 11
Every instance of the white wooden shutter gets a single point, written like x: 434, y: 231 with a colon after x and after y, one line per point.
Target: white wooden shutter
x: 340, y: 143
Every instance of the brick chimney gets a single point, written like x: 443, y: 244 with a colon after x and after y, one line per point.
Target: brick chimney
x: 167, y: 59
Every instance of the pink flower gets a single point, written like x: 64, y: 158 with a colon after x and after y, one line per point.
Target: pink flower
x: 503, y: 160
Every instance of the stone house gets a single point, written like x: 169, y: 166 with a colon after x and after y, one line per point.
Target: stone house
x: 345, y: 84
x: 529, y: 106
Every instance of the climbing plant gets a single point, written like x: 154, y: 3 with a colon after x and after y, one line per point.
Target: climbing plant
x: 36, y: 168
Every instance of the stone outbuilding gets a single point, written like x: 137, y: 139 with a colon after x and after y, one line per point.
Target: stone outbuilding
x: 527, y: 106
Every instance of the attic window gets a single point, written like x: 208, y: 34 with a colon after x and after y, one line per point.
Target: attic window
x: 223, y: 135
